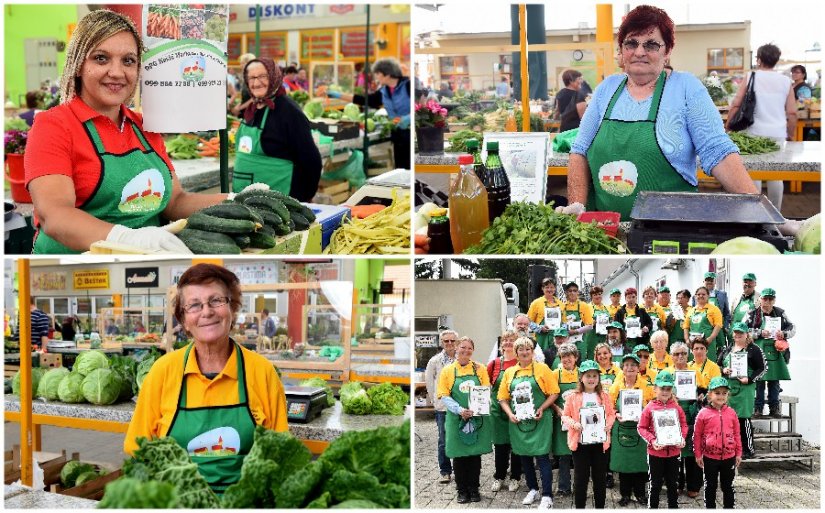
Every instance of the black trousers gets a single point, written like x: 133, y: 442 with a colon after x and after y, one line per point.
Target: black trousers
x: 690, y: 475
x: 632, y: 483
x: 467, y: 471
x: 401, y: 147
x: 724, y: 471
x: 504, y: 458
x: 661, y: 471
x: 589, y: 461
x: 746, y: 433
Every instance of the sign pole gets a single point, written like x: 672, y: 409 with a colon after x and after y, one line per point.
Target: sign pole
x: 367, y: 96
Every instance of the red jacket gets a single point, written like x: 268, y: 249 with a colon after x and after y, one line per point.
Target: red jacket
x: 647, y: 431
x: 716, y: 434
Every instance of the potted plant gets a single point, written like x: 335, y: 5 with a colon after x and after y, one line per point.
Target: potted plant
x: 430, y: 120
x: 15, y: 137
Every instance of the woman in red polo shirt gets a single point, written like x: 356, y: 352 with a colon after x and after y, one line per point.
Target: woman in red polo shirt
x: 92, y: 171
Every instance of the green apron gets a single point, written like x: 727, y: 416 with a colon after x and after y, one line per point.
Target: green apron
x: 205, y: 431
x: 545, y: 340
x: 591, y: 338
x: 500, y: 421
x: 616, y: 358
x: 606, y: 379
x: 253, y: 165
x: 532, y: 438
x: 699, y: 323
x: 133, y: 190
x: 479, y: 440
x: 739, y: 312
x: 626, y: 158
x: 575, y: 316
x: 628, y: 450
x: 776, y: 368
x: 741, y: 397
x: 556, y: 362
x: 560, y: 447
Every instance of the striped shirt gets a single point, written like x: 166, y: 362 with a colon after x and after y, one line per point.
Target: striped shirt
x: 40, y: 324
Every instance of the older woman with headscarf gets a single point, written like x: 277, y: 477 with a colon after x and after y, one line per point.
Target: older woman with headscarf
x: 274, y: 144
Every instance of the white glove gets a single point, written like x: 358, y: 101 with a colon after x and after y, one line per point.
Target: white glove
x: 574, y: 209
x: 152, y: 238
x: 250, y: 187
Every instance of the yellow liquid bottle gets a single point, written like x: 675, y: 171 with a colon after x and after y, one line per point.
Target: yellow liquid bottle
x: 468, y: 207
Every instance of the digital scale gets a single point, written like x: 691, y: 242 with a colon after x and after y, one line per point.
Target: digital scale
x: 303, y: 404
x: 665, y: 223
x: 378, y: 189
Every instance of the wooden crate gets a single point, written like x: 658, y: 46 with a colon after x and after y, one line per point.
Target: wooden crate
x: 10, y: 370
x: 333, y: 187
x: 51, y: 464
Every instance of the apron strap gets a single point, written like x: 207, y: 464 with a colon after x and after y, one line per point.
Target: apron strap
x: 142, y: 138
x: 654, y: 104
x: 93, y: 133
x: 241, y: 376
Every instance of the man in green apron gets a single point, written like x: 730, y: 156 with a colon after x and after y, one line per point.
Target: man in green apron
x: 745, y: 304
x: 773, y: 329
x: 568, y: 377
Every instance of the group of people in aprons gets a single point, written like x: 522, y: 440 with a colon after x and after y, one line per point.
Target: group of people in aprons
x: 582, y: 389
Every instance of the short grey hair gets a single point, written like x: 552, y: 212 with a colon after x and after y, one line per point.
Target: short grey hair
x: 446, y: 332
x: 678, y: 345
x: 518, y: 315
x: 567, y: 350
x: 522, y: 342
x: 389, y: 67
x: 661, y: 334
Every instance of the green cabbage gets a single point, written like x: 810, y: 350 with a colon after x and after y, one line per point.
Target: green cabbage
x: 68, y: 390
x: 72, y: 470
x: 352, y: 112
x: 47, y: 388
x: 37, y: 374
x: 85, y: 477
x: 101, y: 386
x: 314, y: 109
x: 388, y: 399
x: 87, y: 361
x: 745, y: 246
x: 355, y: 400
x: 809, y: 236
x: 131, y: 493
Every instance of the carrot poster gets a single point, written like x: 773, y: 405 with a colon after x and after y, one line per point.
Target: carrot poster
x: 183, y: 80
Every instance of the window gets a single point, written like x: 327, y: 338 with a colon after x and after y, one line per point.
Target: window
x: 726, y: 59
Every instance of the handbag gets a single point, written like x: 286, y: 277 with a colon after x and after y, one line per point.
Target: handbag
x: 743, y: 118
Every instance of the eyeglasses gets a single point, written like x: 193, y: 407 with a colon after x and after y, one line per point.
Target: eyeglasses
x: 449, y: 340
x: 259, y: 78
x: 649, y: 46
x: 679, y: 354
x: 214, y: 303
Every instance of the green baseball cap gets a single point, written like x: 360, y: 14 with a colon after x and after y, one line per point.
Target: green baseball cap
x: 710, y: 275
x: 749, y: 276
x: 718, y: 382
x: 665, y: 379
x: 615, y: 324
x: 588, y: 365
x: 615, y: 291
x: 664, y: 289
x: 769, y: 292
x: 640, y: 347
x: 631, y: 357
x: 740, y: 326
x: 561, y: 332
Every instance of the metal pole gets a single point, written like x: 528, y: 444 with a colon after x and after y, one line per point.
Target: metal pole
x: 525, y: 76
x: 223, y: 136
x: 24, y: 295
x: 257, y: 30
x: 366, y: 96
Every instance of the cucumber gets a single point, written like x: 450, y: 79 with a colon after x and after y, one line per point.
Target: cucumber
x: 301, y: 222
x: 284, y: 229
x: 273, y: 205
x: 210, y: 223
x: 270, y: 218
x: 267, y: 230
x: 232, y: 210
x: 208, y: 243
x: 262, y: 240
x: 243, y: 241
x: 302, y: 209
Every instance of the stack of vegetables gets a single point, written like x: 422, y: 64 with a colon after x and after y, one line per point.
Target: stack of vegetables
x: 252, y: 220
x: 385, y: 232
x: 76, y: 473
x: 753, y: 144
x: 383, y: 399
x: 361, y: 469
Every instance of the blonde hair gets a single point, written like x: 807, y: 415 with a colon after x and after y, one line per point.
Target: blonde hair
x: 522, y: 342
x: 91, y: 31
x: 661, y: 334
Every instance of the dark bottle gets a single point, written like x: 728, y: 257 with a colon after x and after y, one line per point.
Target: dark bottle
x: 496, y: 182
x: 438, y: 230
x: 478, y: 166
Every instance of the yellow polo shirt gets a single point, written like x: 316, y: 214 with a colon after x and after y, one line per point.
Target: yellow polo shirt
x: 658, y: 366
x: 448, y: 374
x: 548, y: 380
x: 584, y: 309
x: 714, y: 315
x: 536, y: 310
x: 710, y: 371
x: 659, y: 312
x: 701, y: 380
x: 158, y: 398
x: 648, y: 392
x: 613, y: 309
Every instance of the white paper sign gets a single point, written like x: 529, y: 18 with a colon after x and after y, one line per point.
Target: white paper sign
x: 480, y: 400
x: 739, y: 364
x: 685, y: 385
x: 552, y: 317
x: 630, y: 401
x: 678, y: 313
x: 773, y: 325
x: 667, y: 428
x: 655, y: 319
x: 633, y: 326
x: 522, y: 402
x: 183, y: 80
x: 602, y: 320
x: 574, y: 325
x: 524, y: 157
x: 593, y: 425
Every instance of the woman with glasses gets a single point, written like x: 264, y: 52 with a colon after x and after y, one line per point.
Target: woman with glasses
x: 210, y: 395
x: 644, y: 128
x: 274, y: 144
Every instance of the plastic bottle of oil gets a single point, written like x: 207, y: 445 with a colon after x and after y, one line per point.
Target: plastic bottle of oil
x: 469, y: 216
x: 496, y: 182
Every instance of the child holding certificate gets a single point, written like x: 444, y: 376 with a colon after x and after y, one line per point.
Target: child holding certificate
x: 716, y: 446
x: 589, y: 416
x: 664, y: 428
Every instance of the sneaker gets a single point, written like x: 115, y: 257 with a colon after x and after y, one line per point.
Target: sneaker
x: 496, y: 485
x: 530, y: 498
x: 513, y: 486
x: 546, y: 503
x: 445, y: 478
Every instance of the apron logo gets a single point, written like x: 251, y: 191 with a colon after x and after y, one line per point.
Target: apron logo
x: 245, y: 144
x: 143, y: 193
x: 696, y: 319
x: 222, y: 441
x: 618, y: 178
x: 465, y: 387
x: 193, y: 69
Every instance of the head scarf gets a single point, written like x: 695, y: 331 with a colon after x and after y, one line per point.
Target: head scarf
x: 276, y: 79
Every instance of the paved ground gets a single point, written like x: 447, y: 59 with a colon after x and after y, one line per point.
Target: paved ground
x: 773, y: 486
x: 93, y: 446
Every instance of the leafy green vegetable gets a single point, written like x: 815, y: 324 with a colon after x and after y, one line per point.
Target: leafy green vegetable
x: 745, y: 246
x: 388, y: 399
x: 101, y: 386
x: 322, y: 502
x: 87, y: 361
x: 15, y: 123
x: 125, y: 367
x: 458, y: 142
x: 314, y: 109
x: 300, y: 485
x: 319, y: 382
x: 49, y: 383
x: 72, y: 470
x: 354, y: 399
x: 753, y: 144
x: 809, y: 236
x: 352, y: 112
x: 345, y: 485
x: 128, y: 493
x: 145, y: 365
x: 357, y: 504
x: 85, y: 477
x: 69, y: 390
x: 300, y: 97
x: 37, y: 375
x: 333, y: 114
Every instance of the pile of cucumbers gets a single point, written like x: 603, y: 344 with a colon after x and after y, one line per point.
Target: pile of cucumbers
x: 253, y: 219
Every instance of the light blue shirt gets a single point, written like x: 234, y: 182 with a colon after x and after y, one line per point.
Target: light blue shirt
x: 502, y: 89
x: 688, y: 122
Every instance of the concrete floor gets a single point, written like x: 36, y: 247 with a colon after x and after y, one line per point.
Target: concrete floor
x: 105, y: 449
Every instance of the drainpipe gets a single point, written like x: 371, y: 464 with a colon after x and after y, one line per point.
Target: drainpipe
x: 634, y: 272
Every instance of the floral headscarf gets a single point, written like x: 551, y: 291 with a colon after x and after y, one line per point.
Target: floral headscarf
x: 276, y: 79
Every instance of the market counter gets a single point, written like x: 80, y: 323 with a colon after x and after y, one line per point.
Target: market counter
x: 398, y: 374
x: 23, y: 497
x: 115, y: 418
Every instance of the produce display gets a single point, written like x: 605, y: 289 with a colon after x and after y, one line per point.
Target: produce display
x: 385, y: 232
x: 809, y: 237
x: 319, y: 382
x: 192, y: 24
x: 75, y: 473
x: 745, y: 246
x: 534, y: 229
x: 163, y: 22
x: 383, y: 399
x: 183, y: 147
x: 753, y: 144
x: 314, y: 109
x: 37, y: 375
x: 458, y: 142
x: 360, y: 469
